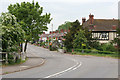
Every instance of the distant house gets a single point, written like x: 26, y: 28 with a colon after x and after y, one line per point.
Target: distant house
x: 102, y: 29
x: 43, y: 37
x: 56, y: 35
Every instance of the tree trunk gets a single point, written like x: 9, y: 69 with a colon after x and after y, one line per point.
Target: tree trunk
x: 25, y: 48
x: 21, y: 45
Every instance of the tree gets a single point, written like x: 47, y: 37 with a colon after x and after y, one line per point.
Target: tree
x: 117, y: 39
x: 71, y: 35
x: 11, y: 33
x: 80, y: 40
x: 65, y: 26
x: 30, y: 16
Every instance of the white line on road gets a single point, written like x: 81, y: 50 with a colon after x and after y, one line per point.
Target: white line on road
x: 77, y: 65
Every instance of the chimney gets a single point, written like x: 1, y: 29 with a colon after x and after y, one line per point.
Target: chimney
x: 53, y: 32
x: 113, y: 19
x: 91, y: 17
x: 83, y: 20
x: 65, y: 30
x: 114, y: 27
x: 57, y: 31
x: 50, y: 32
x: 62, y: 30
x: 43, y: 32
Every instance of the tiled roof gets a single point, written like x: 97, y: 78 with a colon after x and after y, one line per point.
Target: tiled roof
x: 54, y: 35
x: 102, y: 24
x: 44, y: 35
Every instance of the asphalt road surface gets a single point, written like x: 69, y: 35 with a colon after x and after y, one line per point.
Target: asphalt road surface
x: 60, y: 65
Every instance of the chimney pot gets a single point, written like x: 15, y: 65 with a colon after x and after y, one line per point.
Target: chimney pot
x: 50, y: 32
x: 91, y: 17
x: 43, y: 32
x: 83, y: 20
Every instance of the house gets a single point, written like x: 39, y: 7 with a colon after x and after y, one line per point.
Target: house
x: 102, y: 29
x: 55, y: 35
x: 43, y: 37
x: 58, y: 35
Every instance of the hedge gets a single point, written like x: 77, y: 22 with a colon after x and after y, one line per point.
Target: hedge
x: 93, y: 51
x: 106, y: 52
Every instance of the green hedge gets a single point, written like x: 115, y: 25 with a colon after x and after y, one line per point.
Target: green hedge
x: 86, y: 50
x: 106, y: 52
x: 93, y: 51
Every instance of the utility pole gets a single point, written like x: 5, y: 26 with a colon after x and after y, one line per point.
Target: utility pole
x: 52, y: 34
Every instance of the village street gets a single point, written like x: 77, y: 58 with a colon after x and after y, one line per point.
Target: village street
x: 60, y: 65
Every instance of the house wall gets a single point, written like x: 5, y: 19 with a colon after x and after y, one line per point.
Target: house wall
x: 43, y: 38
x: 111, y: 36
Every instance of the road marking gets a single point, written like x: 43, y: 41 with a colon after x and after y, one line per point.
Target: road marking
x: 77, y: 65
x: 24, y: 66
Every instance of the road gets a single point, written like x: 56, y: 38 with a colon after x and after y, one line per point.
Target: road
x: 60, y: 65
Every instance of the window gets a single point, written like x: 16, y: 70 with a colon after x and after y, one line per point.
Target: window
x: 104, y: 35
x: 100, y: 35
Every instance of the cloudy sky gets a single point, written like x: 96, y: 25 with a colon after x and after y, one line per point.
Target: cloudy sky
x: 70, y: 10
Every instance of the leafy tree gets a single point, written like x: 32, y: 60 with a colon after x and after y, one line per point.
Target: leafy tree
x: 71, y: 35
x: 11, y: 33
x: 88, y: 35
x: 117, y: 40
x: 80, y: 40
x: 65, y: 26
x: 30, y: 16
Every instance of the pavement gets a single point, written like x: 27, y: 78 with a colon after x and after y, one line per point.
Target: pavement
x: 31, y: 62
x: 60, y: 65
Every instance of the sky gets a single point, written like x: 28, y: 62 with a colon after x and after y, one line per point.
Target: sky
x: 71, y: 10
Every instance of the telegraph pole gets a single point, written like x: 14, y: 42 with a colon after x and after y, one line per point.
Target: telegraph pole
x: 52, y: 34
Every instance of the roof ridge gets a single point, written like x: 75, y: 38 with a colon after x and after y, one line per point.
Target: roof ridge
x: 107, y: 19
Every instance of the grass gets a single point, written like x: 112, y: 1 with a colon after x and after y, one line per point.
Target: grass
x: 99, y: 55
x: 18, y: 62
x: 6, y: 72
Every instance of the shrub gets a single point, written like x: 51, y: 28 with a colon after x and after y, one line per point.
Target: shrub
x: 106, y: 52
x: 85, y: 50
x: 94, y: 51
x: 95, y: 44
x: 11, y: 59
x: 18, y: 61
x: 108, y: 47
x: 53, y: 48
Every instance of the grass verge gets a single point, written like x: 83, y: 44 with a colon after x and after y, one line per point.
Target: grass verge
x: 18, y: 62
x: 99, y: 55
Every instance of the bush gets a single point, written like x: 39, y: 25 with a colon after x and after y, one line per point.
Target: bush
x: 108, y: 47
x: 95, y: 44
x: 52, y: 48
x: 106, y: 52
x: 18, y: 61
x: 85, y: 50
x: 94, y: 51
x: 42, y: 44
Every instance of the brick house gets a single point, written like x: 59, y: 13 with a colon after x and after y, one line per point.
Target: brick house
x: 56, y: 35
x: 102, y: 29
x: 43, y: 37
